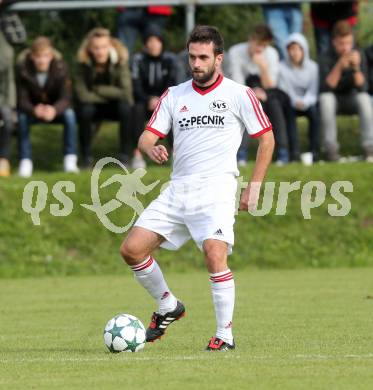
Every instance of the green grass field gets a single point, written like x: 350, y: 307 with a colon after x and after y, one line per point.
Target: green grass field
x: 294, y: 329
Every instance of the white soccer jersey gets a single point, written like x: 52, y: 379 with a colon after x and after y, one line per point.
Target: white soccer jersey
x: 208, y: 125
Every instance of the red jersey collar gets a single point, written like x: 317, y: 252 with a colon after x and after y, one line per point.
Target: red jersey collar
x: 213, y: 86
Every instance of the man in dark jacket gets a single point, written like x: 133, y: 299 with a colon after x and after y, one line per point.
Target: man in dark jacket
x: 44, y: 95
x: 153, y: 71
x: 104, y: 90
x: 343, y: 87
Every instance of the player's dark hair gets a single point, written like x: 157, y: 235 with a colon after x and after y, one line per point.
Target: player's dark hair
x: 261, y: 33
x: 207, y: 34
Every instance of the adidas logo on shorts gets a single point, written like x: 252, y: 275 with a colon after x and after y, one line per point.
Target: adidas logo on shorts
x: 218, y: 233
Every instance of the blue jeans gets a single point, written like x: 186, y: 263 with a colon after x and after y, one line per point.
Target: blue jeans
x: 312, y: 114
x: 323, y: 38
x: 69, y: 135
x: 243, y: 151
x: 283, y: 20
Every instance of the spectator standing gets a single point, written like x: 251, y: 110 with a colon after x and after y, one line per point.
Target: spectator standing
x: 344, y: 85
x: 325, y: 15
x: 283, y: 20
x: 104, y: 90
x: 256, y: 64
x: 299, y: 77
x: 135, y: 21
x: 11, y: 32
x: 153, y: 71
x: 184, y: 72
x: 44, y: 95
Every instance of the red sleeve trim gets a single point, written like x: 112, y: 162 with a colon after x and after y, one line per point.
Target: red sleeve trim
x: 256, y: 135
x: 156, y: 132
x: 260, y: 114
x: 155, y: 113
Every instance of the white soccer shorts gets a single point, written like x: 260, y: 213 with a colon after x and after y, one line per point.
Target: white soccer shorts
x: 197, y: 208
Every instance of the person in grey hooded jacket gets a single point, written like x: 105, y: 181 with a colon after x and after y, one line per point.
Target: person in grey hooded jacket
x: 299, y: 78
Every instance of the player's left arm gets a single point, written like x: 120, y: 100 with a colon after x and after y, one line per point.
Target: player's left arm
x: 147, y: 144
x: 250, y: 195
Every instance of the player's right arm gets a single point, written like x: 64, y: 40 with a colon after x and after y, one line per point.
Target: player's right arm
x: 147, y: 144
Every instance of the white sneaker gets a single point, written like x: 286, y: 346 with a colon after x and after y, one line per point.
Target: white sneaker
x: 70, y: 163
x: 280, y: 163
x: 25, y: 167
x: 138, y: 162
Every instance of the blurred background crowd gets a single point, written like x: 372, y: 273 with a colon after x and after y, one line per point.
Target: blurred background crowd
x: 117, y: 73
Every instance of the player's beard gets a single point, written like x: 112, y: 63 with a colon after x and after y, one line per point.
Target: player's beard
x: 201, y: 77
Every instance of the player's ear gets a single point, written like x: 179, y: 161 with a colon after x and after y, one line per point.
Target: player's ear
x: 219, y: 59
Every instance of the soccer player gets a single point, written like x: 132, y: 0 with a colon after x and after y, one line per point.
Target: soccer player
x: 208, y: 116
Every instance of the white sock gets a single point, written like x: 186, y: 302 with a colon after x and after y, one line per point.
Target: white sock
x: 223, y: 293
x: 151, y: 278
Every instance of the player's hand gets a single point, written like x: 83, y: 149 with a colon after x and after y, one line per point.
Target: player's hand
x: 158, y: 154
x: 250, y: 197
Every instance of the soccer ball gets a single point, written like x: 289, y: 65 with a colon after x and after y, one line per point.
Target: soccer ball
x: 124, y: 333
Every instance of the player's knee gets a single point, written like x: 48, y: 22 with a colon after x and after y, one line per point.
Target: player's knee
x: 131, y: 253
x: 214, y: 255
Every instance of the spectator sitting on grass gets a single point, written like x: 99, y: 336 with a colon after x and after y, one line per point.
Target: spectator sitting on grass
x: 44, y: 95
x: 344, y: 85
x: 104, y: 90
x: 299, y: 78
x: 153, y: 71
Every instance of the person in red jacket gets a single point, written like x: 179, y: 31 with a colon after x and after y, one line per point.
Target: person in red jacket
x: 135, y: 20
